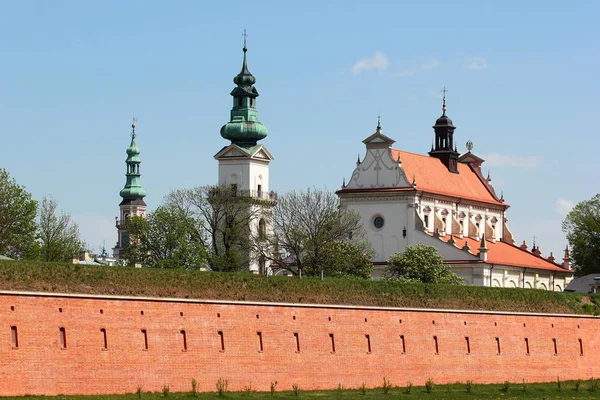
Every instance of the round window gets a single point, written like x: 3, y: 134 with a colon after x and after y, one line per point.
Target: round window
x: 378, y: 222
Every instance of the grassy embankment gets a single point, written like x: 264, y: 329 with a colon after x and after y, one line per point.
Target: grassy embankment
x: 589, y: 389
x: 70, y: 278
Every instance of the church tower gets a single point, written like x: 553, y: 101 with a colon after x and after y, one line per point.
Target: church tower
x: 244, y: 163
x: 444, y: 148
x: 133, y: 194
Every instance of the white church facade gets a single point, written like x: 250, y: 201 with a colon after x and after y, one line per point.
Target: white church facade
x: 442, y: 199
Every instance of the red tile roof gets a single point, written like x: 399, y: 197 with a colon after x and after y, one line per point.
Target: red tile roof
x: 431, y: 175
x: 506, y: 254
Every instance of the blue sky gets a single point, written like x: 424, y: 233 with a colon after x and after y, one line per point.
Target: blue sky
x: 522, y: 80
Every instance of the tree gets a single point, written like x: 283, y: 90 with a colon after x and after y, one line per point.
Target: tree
x: 58, y: 234
x: 225, y: 214
x: 167, y: 239
x: 421, y: 263
x: 342, y: 259
x: 582, y: 227
x: 17, y: 219
x: 304, y: 225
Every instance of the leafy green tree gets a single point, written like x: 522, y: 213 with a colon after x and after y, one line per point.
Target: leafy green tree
x: 225, y: 215
x: 167, y: 239
x: 343, y: 259
x: 58, y: 234
x: 582, y: 227
x: 17, y: 219
x: 421, y: 263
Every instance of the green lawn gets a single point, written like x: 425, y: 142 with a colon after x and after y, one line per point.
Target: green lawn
x: 455, y: 391
x: 70, y: 278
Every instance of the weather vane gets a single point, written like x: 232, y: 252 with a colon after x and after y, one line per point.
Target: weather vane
x: 379, y: 121
x: 133, y: 126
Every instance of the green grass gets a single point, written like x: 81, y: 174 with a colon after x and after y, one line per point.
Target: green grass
x: 73, y: 278
x: 455, y: 391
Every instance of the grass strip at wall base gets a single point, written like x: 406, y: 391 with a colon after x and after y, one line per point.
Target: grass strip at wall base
x: 175, y: 283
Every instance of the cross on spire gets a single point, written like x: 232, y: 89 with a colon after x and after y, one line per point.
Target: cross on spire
x: 245, y: 35
x: 133, y: 126
x: 444, y: 100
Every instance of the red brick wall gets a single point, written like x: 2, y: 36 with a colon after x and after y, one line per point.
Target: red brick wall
x: 40, y: 366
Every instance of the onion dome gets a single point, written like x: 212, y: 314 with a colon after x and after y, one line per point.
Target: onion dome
x: 133, y: 189
x: 244, y: 129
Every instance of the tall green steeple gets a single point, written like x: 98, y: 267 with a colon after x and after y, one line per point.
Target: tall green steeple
x: 244, y: 129
x: 133, y: 189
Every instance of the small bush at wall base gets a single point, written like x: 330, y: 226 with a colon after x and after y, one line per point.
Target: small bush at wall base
x: 194, y: 388
x: 578, y: 383
x: 363, y: 389
x: 408, y: 388
x: 249, y: 389
x: 524, y: 387
x: 594, y: 384
x: 505, y: 387
x: 165, y: 390
x: 429, y: 385
x: 222, y: 385
x: 558, y: 384
x: 469, y: 386
x: 138, y: 392
x: 273, y: 387
x: 295, y: 389
x: 386, y: 386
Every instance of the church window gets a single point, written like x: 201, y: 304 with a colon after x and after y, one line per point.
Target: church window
x: 259, y: 191
x: 426, y: 221
x: 378, y: 222
x: 251, y: 102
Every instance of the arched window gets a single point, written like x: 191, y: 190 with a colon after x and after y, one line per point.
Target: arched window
x: 262, y: 229
x: 240, y: 101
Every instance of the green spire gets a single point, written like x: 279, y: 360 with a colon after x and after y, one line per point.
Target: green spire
x: 244, y: 129
x: 133, y: 189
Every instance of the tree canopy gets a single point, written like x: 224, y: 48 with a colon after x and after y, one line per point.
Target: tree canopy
x: 342, y: 259
x: 167, y: 239
x: 421, y: 263
x: 17, y: 219
x: 58, y: 234
x: 582, y: 227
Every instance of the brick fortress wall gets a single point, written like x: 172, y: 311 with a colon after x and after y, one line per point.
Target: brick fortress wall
x: 69, y: 344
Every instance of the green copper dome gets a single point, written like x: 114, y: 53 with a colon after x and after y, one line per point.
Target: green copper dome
x: 133, y: 189
x: 244, y: 129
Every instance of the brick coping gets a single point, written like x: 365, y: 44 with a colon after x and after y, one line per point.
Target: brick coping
x: 272, y: 304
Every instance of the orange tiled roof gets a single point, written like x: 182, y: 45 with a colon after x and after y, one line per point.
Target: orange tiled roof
x: 431, y: 175
x: 506, y: 254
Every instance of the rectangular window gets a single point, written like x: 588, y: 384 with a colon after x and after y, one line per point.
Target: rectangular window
x: 259, y: 190
x: 332, y: 342
x: 527, y: 346
x: 555, y: 347
x: 145, y: 335
x: 498, y: 344
x: 260, y: 342
x: 105, y: 342
x: 580, y: 347
x: 297, y: 342
x: 368, y: 337
x: 184, y: 339
x: 403, y: 344
x: 222, y: 339
x: 15, y: 338
x: 427, y: 222
x: 63, y: 338
x: 468, y: 345
x: 435, y: 341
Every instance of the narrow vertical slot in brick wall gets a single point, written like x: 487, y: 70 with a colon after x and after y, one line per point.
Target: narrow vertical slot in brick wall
x: 145, y: 337
x: 63, y: 337
x: 104, y: 339
x: 260, y: 341
x: 297, y: 342
x: 222, y: 340
x: 15, y: 338
x: 184, y: 339
x: 332, y: 342
x: 368, y: 337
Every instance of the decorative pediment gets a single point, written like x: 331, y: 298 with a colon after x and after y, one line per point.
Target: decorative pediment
x: 378, y: 170
x: 263, y: 154
x: 470, y: 158
x: 258, y: 152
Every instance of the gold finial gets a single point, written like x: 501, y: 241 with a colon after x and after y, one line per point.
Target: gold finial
x: 379, y: 121
x: 133, y: 126
x: 469, y: 145
x: 444, y: 101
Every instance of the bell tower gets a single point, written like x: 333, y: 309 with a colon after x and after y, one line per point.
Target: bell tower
x: 244, y: 163
x: 133, y: 194
x: 444, y: 147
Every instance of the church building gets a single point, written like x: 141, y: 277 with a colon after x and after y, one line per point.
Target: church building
x: 442, y: 199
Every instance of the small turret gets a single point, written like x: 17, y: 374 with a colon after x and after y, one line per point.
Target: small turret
x: 133, y: 189
x: 483, y: 249
x: 444, y: 147
x: 567, y: 259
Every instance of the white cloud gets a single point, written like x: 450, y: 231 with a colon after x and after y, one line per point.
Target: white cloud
x: 563, y: 206
x: 430, y: 66
x: 477, y: 63
x: 378, y: 61
x: 516, y: 161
